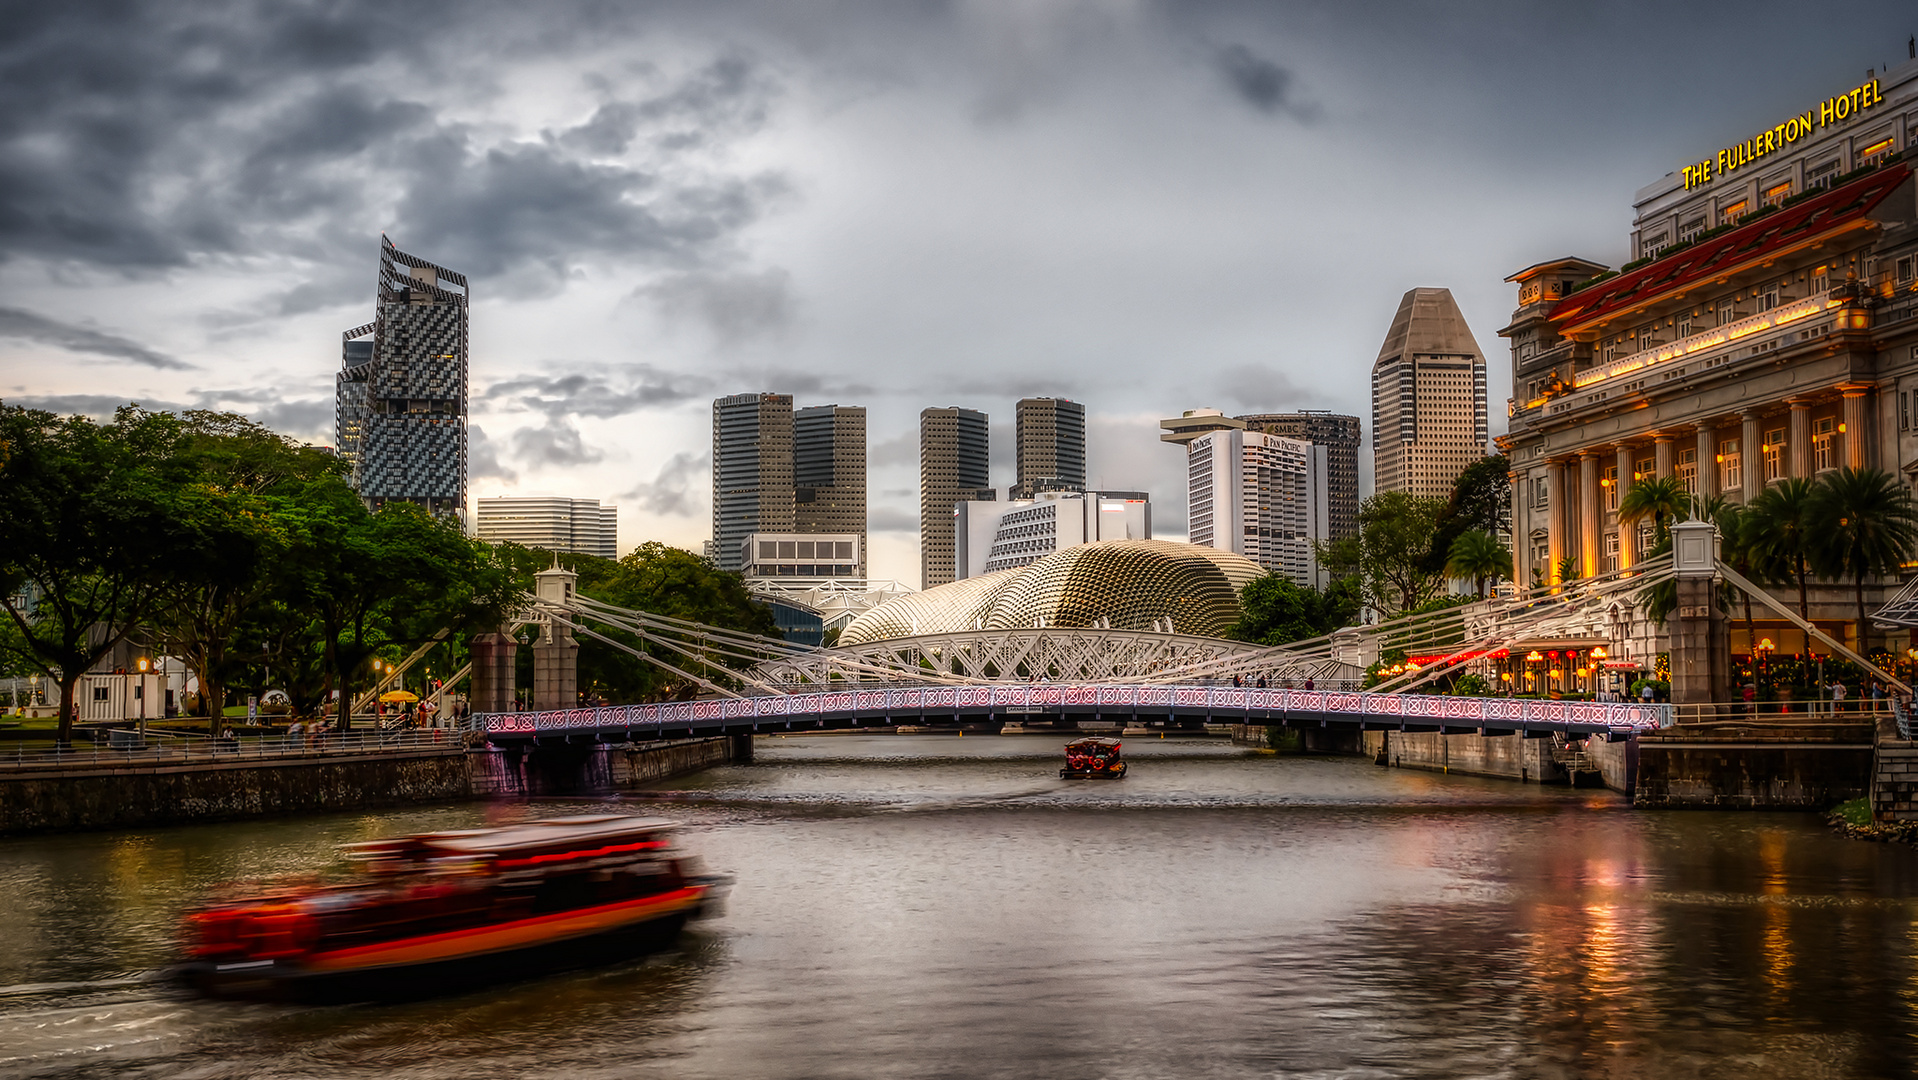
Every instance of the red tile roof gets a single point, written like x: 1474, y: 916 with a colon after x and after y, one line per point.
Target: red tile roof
x: 1717, y: 256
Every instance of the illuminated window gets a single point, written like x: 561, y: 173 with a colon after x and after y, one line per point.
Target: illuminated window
x: 1731, y: 472
x: 1774, y: 455
x: 1727, y: 311
x: 1732, y: 213
x: 1610, y: 487
x: 1873, y: 154
x: 1688, y: 470
x: 1777, y: 194
x: 1821, y: 448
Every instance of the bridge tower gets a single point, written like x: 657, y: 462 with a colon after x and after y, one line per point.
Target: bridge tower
x: 1700, y: 636
x: 555, y: 654
x: 495, y: 671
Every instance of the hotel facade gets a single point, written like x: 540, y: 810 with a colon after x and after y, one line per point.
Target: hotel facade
x: 1767, y: 327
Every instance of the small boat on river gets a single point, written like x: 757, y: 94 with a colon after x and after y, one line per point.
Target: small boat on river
x: 442, y: 912
x: 1093, y: 759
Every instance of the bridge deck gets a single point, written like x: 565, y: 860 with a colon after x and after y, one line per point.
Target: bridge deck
x: 1130, y: 703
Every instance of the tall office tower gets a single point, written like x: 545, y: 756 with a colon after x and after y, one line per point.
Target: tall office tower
x: 1341, y: 437
x: 552, y: 524
x: 752, y: 471
x: 954, y: 467
x: 1428, y: 397
x: 1050, y: 445
x: 400, y: 397
x: 829, y: 472
x: 1260, y: 496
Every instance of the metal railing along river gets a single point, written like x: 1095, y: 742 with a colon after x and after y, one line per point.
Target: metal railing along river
x: 123, y: 748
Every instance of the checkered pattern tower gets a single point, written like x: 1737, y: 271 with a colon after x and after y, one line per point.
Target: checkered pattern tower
x: 401, y: 396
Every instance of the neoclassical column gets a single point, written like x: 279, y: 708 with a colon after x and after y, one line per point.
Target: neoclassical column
x: 1662, y: 456
x: 1857, y: 421
x: 1588, y: 519
x: 1706, y: 482
x: 1798, y: 440
x: 1627, y: 536
x: 1555, y: 518
x: 1751, y: 458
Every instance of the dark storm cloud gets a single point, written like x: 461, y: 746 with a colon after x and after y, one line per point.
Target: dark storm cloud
x: 136, y: 138
x: 271, y: 407
x: 735, y: 307
x: 558, y: 443
x: 673, y: 492
x: 97, y: 406
x: 482, y: 457
x: 1262, y: 84
x: 596, y: 396
x: 27, y: 326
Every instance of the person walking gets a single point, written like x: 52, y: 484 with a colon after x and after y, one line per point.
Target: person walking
x: 1837, y: 696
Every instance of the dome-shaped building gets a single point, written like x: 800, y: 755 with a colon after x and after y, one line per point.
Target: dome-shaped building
x: 1116, y: 584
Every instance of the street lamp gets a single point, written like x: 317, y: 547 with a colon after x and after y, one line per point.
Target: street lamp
x: 145, y: 665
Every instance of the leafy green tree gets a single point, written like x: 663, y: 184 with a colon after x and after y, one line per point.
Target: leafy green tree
x: 1864, y: 525
x: 664, y: 580
x: 1780, y: 532
x: 1481, y: 501
x: 90, y: 532
x: 1275, y: 610
x: 1395, y: 537
x: 1478, y: 555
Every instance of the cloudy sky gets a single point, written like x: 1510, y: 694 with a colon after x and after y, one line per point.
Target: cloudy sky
x: 1147, y: 207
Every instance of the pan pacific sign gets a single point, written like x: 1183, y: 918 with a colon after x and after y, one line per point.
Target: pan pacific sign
x: 1779, y: 136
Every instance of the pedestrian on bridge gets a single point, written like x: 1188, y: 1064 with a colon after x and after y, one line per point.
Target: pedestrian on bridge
x: 1837, y: 696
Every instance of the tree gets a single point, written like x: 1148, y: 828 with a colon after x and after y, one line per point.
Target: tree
x: 1663, y: 499
x: 1275, y: 610
x: 1864, y: 525
x: 663, y: 580
x: 1481, y: 501
x: 91, y: 530
x: 1779, y: 530
x: 1395, y: 537
x: 1478, y: 555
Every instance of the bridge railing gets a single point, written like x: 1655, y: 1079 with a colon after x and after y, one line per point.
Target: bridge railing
x: 1227, y: 704
x: 124, y: 749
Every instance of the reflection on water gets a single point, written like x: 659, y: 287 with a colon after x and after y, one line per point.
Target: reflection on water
x: 948, y: 907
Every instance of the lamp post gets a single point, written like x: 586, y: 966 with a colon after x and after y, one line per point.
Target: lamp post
x: 145, y: 665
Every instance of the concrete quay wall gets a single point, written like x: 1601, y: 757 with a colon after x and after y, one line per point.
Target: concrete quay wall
x: 1754, y: 766
x: 1510, y: 757
x: 143, y: 795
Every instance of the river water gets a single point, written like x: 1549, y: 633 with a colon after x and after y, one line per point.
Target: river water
x: 946, y: 907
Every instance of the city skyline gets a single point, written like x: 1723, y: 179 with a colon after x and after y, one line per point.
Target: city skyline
x: 1093, y: 215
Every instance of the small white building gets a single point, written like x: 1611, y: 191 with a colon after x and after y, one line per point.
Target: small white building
x: 803, y: 560
x: 990, y: 536
x: 550, y: 523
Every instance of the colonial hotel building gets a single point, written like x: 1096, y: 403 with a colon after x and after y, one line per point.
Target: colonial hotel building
x: 1765, y: 329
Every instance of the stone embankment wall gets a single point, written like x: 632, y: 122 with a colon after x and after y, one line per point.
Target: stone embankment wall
x: 135, y: 795
x: 1511, y: 757
x: 1734, y: 766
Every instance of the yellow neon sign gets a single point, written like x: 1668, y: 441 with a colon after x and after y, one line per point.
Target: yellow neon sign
x: 1779, y: 136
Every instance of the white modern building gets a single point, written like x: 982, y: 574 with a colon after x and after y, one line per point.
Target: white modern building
x: 550, y: 523
x: 989, y: 536
x: 1261, y: 496
x: 804, y: 560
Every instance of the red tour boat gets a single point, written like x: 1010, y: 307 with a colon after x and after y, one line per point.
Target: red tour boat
x: 1093, y: 759
x: 441, y: 912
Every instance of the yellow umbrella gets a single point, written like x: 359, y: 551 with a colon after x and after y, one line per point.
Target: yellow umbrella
x: 398, y: 695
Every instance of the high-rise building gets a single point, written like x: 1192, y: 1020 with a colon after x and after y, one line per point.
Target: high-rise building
x: 954, y: 467
x: 550, y: 523
x: 829, y: 472
x: 1260, y: 496
x: 1050, y: 441
x: 752, y: 471
x: 1428, y: 397
x: 1002, y: 536
x: 1341, y: 436
x: 779, y: 472
x: 400, y: 397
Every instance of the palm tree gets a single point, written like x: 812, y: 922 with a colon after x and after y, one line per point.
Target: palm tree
x: 1864, y: 525
x: 1737, y: 549
x: 1478, y: 555
x: 1663, y: 499
x: 1780, y: 530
